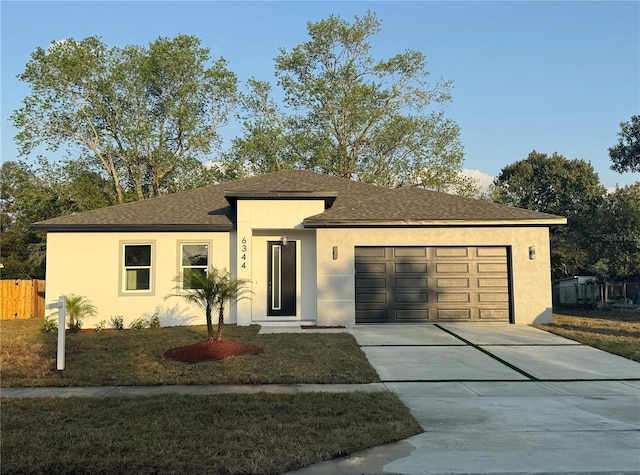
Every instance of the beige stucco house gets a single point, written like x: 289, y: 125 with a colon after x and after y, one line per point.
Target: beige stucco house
x: 318, y: 250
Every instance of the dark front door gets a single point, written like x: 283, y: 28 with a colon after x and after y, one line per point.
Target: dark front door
x: 282, y: 279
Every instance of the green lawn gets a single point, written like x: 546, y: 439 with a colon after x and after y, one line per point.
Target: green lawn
x: 617, y: 333
x: 221, y: 434
x: 134, y: 357
x: 224, y: 434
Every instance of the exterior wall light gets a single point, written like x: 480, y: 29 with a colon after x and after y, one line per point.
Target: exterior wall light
x: 284, y: 240
x: 335, y: 253
x: 532, y: 252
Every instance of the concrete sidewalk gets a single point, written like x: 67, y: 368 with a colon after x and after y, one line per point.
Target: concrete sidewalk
x: 500, y: 399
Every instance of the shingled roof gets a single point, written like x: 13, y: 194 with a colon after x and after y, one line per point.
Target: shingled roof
x: 348, y: 203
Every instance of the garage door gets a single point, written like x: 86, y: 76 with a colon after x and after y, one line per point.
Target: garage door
x: 431, y: 284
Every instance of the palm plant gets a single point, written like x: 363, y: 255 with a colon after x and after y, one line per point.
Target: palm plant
x: 78, y: 307
x: 213, y: 290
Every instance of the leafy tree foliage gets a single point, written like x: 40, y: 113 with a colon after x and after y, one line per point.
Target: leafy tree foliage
x: 353, y: 116
x: 559, y: 186
x: 30, y: 193
x: 625, y: 156
x: 138, y: 113
x: 616, y: 250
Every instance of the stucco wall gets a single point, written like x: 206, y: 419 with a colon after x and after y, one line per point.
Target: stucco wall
x: 336, y: 278
x: 89, y: 264
x: 259, y: 221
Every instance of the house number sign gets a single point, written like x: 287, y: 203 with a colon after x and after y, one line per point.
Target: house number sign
x: 243, y: 251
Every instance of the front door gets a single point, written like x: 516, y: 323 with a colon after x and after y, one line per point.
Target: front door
x: 282, y: 279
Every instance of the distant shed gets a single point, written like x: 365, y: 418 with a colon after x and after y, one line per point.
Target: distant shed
x: 577, y: 290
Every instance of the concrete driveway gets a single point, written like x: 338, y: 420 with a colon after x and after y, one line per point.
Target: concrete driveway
x: 496, y: 398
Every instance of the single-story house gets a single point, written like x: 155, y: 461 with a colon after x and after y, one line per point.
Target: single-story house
x: 318, y: 250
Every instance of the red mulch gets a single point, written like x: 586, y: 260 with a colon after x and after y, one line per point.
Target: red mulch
x: 210, y: 350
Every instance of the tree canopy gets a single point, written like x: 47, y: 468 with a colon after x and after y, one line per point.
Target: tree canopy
x: 137, y: 112
x: 602, y: 235
x: 351, y: 115
x: 625, y: 155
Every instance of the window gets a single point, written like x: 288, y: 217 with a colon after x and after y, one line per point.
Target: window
x: 194, y: 259
x: 137, y: 267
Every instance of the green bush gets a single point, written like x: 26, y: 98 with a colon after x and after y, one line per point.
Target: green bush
x: 154, y: 321
x: 138, y: 324
x: 101, y: 325
x: 117, y: 322
x: 76, y: 326
x: 50, y: 325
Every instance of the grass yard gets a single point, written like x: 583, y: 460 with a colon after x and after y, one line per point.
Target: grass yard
x: 224, y: 434
x: 134, y: 357
x: 614, y: 332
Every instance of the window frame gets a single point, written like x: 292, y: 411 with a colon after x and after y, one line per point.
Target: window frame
x: 181, y: 267
x: 122, y: 269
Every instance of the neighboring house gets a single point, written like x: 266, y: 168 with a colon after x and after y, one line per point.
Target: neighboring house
x: 318, y: 250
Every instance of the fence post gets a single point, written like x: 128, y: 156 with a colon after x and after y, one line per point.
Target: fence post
x: 61, y: 305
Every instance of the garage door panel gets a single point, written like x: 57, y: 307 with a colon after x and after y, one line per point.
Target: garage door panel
x: 493, y: 267
x: 410, y: 251
x: 409, y: 284
x: 461, y: 252
x: 494, y: 314
x: 452, y: 283
x: 454, y: 314
x: 405, y: 316
x: 453, y: 297
x: 372, y: 316
x: 493, y: 297
x: 450, y: 268
x: 493, y: 282
x: 411, y: 268
x: 370, y: 252
x: 369, y: 283
x: 376, y: 298
x: 371, y: 268
x: 492, y: 252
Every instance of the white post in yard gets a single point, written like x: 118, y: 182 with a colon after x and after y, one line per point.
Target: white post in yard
x: 61, y: 305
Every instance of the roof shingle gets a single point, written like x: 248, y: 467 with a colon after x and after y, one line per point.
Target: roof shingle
x: 356, y: 204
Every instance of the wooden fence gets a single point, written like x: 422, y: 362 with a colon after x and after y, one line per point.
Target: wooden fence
x: 21, y: 299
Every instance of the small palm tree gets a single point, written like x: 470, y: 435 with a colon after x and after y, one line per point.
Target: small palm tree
x: 214, y: 290
x: 79, y: 307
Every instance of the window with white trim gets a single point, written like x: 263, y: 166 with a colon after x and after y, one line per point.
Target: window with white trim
x: 194, y: 258
x: 136, y: 267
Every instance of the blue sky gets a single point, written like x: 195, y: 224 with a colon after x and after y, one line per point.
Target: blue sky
x: 550, y: 76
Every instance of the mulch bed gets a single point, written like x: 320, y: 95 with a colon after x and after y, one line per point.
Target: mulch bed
x: 210, y: 351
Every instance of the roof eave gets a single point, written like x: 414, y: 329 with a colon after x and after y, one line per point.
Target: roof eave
x: 371, y: 223
x: 113, y: 228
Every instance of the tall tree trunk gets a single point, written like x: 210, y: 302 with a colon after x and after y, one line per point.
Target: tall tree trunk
x: 220, y: 323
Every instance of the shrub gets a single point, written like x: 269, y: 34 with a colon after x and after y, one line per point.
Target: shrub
x: 154, y: 321
x: 102, y: 324
x: 50, y: 325
x: 138, y: 324
x: 117, y: 322
x: 74, y: 327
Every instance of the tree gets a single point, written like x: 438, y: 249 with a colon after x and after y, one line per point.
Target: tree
x: 30, y: 193
x: 213, y: 290
x: 353, y: 116
x: 137, y: 112
x: 616, y: 254
x: 625, y: 156
x: 559, y: 186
